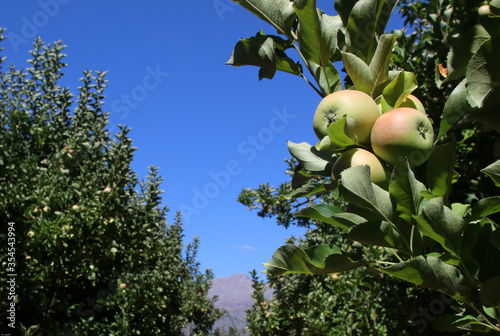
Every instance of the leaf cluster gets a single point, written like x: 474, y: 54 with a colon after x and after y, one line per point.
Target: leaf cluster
x: 440, y: 244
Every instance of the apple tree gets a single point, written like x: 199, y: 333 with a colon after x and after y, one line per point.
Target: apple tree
x: 433, y: 239
x: 94, y: 253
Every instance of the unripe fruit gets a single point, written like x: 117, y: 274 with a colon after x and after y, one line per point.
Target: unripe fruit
x: 359, y: 108
x: 413, y: 102
x: 403, y: 132
x: 359, y: 157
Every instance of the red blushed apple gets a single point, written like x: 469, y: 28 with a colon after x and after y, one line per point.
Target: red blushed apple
x: 403, y: 133
x: 379, y: 173
x: 359, y: 108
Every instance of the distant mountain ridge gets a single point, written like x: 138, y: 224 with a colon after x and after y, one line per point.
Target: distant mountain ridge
x: 234, y: 296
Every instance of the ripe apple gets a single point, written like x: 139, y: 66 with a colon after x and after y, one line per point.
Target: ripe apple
x: 403, y: 132
x: 379, y: 173
x: 359, y: 108
x: 413, y: 102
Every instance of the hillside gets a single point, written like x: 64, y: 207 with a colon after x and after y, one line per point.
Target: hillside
x: 234, y: 295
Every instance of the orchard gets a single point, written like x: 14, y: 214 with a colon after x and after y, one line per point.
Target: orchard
x: 378, y: 152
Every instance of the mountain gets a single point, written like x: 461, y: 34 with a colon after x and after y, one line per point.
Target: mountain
x: 234, y: 296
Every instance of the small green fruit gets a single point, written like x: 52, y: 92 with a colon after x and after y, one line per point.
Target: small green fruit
x: 413, y: 102
x: 359, y: 108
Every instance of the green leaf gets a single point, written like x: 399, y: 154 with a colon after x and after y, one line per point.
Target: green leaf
x: 483, y: 74
x: 367, y: 21
x: 327, y: 77
x: 317, y: 37
x: 451, y: 322
x: 485, y: 207
x: 463, y: 49
x: 344, y: 8
x: 490, y: 292
x: 495, y: 7
x: 266, y: 52
x: 331, y: 215
x: 358, y: 189
x: 405, y: 191
x: 440, y: 170
x: 379, y: 233
x: 481, y: 247
x: 317, y: 32
x: 441, y: 224
x: 307, y: 189
x: 432, y: 273
x: 278, y: 13
x: 337, y: 133
x: 322, y: 259
x: 460, y: 209
x: 398, y: 90
x: 359, y: 72
x: 311, y: 159
x: 493, y: 171
x: 379, y: 65
x: 455, y: 107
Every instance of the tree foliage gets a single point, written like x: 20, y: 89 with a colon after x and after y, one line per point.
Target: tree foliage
x: 439, y: 227
x: 94, y: 252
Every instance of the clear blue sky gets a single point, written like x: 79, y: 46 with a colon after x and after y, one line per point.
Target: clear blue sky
x: 212, y: 129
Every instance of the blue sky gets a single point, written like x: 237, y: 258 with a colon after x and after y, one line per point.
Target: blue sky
x: 212, y: 129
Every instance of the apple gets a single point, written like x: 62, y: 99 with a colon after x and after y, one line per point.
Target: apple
x: 359, y: 108
x: 484, y: 10
x: 413, y: 102
x: 403, y: 132
x: 379, y: 173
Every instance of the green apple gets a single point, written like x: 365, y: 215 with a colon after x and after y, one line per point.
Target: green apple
x: 359, y: 108
x: 379, y: 173
x: 403, y: 132
x: 413, y: 102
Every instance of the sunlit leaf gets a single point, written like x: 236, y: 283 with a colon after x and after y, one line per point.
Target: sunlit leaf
x: 311, y: 159
x: 317, y: 37
x: 485, y: 207
x: 441, y: 224
x: 379, y: 65
x: 358, y: 189
x: 322, y: 259
x: 339, y: 139
x: 278, y: 13
x: 359, y: 72
x: 266, y: 52
x: 367, y: 21
x: 405, y: 191
x: 398, y: 90
x: 432, y: 273
x: 331, y: 215
x: 379, y: 233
